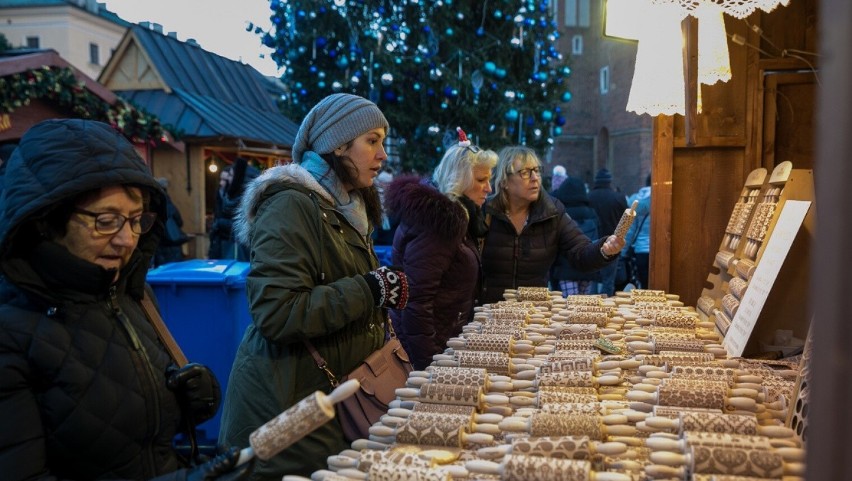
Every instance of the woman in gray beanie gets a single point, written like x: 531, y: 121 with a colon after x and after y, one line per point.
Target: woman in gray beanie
x: 314, y: 276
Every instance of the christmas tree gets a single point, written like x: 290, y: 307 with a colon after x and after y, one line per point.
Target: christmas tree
x: 490, y: 67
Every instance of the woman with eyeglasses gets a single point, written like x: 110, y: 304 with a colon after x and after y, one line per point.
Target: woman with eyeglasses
x: 528, y: 229
x: 436, y: 244
x: 87, y: 389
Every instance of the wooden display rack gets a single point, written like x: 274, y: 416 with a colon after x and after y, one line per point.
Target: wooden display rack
x: 742, y: 250
x: 711, y: 298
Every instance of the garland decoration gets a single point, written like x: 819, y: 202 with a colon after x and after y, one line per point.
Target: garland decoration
x: 61, y: 86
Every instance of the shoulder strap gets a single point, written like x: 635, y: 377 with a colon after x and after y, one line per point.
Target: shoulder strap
x: 488, y: 226
x: 636, y: 235
x: 162, y: 331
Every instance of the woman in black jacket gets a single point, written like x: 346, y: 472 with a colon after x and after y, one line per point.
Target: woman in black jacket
x: 528, y: 229
x: 87, y: 389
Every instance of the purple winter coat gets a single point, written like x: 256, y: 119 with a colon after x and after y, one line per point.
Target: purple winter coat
x: 441, y: 260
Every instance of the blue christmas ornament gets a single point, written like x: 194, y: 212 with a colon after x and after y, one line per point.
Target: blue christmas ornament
x: 416, y: 86
x: 512, y: 115
x: 313, y: 69
x: 342, y: 62
x: 426, y: 28
x: 449, y: 32
x: 480, y: 32
x: 389, y: 96
x: 557, y: 130
x: 546, y: 115
x: 530, y: 121
x: 566, y: 70
x: 332, y: 53
x: 566, y: 97
x: 303, y: 92
x: 321, y: 84
x: 498, y: 14
x: 430, y: 92
x: 560, y: 120
x: 300, y: 14
x: 321, y: 42
x: 500, y: 73
x: 489, y: 67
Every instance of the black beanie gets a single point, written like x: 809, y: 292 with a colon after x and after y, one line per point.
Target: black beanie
x: 603, y: 177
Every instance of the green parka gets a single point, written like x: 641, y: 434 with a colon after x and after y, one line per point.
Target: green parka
x: 304, y: 283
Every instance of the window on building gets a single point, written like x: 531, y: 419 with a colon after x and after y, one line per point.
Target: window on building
x: 604, y: 78
x: 576, y: 13
x: 32, y: 42
x: 94, y: 54
x: 577, y: 45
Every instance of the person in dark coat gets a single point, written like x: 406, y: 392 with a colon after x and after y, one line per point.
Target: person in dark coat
x: 572, y: 193
x: 436, y: 244
x: 610, y: 206
x: 232, y: 183
x: 170, y: 248
x: 87, y: 389
x: 314, y: 276
x: 528, y: 229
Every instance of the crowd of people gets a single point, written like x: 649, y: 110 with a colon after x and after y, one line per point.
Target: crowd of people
x: 89, y: 388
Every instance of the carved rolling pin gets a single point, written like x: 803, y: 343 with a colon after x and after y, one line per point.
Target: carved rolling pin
x: 295, y: 423
x: 626, y: 220
x: 538, y: 468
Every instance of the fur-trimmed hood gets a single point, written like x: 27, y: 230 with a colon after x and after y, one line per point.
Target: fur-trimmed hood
x: 255, y: 193
x: 413, y: 201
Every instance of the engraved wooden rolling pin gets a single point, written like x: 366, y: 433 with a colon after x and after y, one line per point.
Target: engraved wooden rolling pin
x: 295, y: 423
x: 739, y: 460
x: 545, y: 424
x: 431, y: 430
x: 516, y: 467
x: 719, y: 423
x: 561, y: 447
x: 363, y: 461
x: 789, y: 453
x: 626, y: 220
x: 452, y: 394
x: 472, y: 376
x: 694, y: 396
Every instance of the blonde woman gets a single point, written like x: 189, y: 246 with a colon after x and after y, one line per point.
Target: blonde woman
x: 528, y: 229
x: 436, y: 244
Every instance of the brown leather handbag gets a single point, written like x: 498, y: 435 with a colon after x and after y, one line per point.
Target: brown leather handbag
x: 380, y: 375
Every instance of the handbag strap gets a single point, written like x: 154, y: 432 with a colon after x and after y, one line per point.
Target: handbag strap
x: 636, y: 235
x: 162, y: 331
x: 323, y: 365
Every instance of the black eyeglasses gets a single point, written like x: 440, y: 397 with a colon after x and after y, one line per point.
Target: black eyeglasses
x: 108, y: 223
x: 527, y: 173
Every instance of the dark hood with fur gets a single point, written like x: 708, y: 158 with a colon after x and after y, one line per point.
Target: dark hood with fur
x: 414, y: 201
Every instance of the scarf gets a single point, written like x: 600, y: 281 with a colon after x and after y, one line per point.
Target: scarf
x: 348, y: 203
x: 476, y: 227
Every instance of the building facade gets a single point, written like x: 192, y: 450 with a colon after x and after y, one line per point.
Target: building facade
x: 83, y: 32
x: 600, y: 132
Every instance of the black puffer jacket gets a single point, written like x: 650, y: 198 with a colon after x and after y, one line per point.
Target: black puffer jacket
x: 441, y: 260
x: 511, y: 259
x: 82, y: 375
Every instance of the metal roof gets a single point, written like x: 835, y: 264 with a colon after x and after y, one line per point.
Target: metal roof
x: 212, y: 96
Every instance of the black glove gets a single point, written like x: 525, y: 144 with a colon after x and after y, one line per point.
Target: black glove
x: 197, y: 390
x: 389, y: 287
x: 221, y: 468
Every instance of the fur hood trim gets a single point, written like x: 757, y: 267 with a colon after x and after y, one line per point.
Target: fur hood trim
x: 254, y: 194
x: 412, y: 201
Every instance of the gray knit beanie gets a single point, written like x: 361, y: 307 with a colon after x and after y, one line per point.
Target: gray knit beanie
x: 334, y: 121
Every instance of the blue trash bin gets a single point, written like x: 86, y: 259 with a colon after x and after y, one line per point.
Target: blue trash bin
x: 204, y: 305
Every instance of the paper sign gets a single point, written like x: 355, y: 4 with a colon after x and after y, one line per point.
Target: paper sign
x: 788, y: 225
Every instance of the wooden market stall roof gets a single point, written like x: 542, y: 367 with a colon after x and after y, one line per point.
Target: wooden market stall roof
x: 201, y: 94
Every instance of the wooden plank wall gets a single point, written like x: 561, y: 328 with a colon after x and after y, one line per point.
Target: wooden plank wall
x: 701, y: 161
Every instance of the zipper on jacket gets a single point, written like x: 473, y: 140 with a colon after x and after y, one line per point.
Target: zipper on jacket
x: 112, y: 302
x: 516, y: 253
